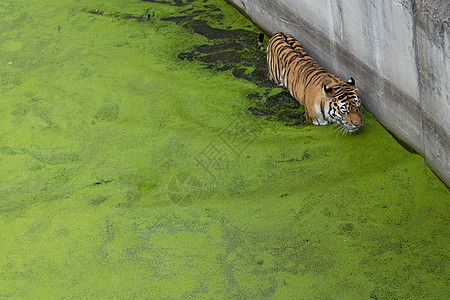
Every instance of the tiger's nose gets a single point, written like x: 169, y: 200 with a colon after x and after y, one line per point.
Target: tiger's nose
x: 355, y: 119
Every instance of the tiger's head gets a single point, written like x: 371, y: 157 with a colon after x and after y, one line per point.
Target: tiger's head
x: 344, y: 103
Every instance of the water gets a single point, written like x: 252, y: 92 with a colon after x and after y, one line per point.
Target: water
x: 149, y: 157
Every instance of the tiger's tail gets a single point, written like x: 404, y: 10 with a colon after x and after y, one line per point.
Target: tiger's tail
x: 261, y: 41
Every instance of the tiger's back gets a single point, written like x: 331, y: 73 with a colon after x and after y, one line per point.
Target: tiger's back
x: 325, y: 97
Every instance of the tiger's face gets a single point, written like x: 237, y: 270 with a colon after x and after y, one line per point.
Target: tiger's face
x: 344, y: 104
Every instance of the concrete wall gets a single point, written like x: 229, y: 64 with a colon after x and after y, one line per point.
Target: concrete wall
x: 398, y: 52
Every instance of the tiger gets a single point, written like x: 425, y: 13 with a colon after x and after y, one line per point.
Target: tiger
x: 324, y: 96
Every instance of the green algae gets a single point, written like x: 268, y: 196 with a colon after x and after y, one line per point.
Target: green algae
x: 135, y: 163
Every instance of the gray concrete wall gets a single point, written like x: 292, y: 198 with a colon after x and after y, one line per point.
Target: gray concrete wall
x: 398, y: 52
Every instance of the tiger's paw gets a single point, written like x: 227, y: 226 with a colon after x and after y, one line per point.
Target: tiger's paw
x: 320, y: 123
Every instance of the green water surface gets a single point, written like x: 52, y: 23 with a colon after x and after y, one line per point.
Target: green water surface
x: 143, y: 154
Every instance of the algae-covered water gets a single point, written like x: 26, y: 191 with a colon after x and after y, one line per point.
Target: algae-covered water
x: 143, y: 154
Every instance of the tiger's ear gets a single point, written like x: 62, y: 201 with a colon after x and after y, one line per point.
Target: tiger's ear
x: 328, y: 90
x: 351, y: 81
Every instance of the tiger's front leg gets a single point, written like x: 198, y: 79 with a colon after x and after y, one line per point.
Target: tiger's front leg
x: 316, y: 116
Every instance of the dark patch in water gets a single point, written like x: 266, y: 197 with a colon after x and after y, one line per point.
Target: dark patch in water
x: 280, y: 107
x: 234, y: 49
x: 144, y: 17
x: 102, y: 182
x: 203, y: 28
x: 178, y: 3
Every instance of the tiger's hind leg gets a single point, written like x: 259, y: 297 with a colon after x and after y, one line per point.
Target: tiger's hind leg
x: 276, y: 76
x: 280, y: 81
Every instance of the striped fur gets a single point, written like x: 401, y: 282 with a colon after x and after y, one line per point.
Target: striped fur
x: 325, y: 97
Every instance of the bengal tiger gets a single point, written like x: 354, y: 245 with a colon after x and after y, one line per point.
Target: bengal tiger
x: 325, y: 98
